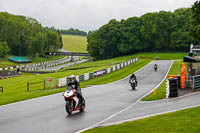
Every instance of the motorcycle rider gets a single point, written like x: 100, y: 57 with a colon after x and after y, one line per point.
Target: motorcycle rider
x: 75, y: 84
x: 133, y: 77
x: 155, y: 67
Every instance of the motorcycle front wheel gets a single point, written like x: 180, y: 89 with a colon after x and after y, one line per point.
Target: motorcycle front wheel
x: 82, y: 105
x: 133, y: 86
x: 69, y: 107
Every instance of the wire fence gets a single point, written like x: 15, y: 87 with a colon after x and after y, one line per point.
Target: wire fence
x: 49, y: 83
x: 35, y: 86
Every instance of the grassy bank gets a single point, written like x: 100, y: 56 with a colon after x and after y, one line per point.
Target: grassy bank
x: 163, y: 56
x: 184, y: 121
x: 74, y: 43
x: 161, y: 91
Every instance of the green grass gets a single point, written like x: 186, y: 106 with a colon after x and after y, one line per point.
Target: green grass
x: 161, y: 91
x: 74, y: 43
x: 184, y: 121
x: 6, y: 63
x: 163, y: 56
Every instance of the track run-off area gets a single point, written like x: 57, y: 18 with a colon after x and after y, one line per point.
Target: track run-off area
x: 47, y: 114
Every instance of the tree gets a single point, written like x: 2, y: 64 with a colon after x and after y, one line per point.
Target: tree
x: 102, y: 44
x: 180, y: 37
x: 4, y: 49
x: 131, y: 39
x: 195, y: 22
x: 36, y: 46
x: 159, y: 31
x: 20, y: 32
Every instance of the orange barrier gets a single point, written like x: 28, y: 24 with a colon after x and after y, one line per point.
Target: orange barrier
x: 172, y: 76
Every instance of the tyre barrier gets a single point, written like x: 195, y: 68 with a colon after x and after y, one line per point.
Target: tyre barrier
x: 173, y: 87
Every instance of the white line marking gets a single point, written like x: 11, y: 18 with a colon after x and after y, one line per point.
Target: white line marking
x: 146, y: 116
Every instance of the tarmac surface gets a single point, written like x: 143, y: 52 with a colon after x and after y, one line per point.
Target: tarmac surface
x: 147, y: 109
x: 47, y: 114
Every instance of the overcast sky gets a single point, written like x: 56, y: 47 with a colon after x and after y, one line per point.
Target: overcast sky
x: 86, y: 14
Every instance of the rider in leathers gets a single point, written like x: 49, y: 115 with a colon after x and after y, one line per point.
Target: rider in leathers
x: 133, y: 77
x: 75, y: 84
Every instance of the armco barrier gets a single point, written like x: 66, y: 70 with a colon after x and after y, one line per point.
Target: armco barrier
x: 196, y: 82
x: 87, y: 76
x: 114, y: 68
x: 77, y: 78
x: 111, y: 69
x: 62, y: 82
x: 118, y: 66
x: 108, y: 70
x: 81, y: 78
x: 91, y: 75
x: 122, y: 65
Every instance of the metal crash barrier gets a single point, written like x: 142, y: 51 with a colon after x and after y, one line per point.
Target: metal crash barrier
x: 196, y: 82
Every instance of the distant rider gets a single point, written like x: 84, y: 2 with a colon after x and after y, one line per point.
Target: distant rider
x: 75, y: 84
x: 155, y: 67
x: 133, y: 77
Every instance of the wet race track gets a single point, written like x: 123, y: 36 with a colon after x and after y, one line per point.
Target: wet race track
x: 47, y: 114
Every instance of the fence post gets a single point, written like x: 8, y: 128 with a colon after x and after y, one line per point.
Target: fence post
x: 27, y: 86
x: 1, y: 89
x: 44, y: 84
x: 193, y: 84
x: 56, y: 82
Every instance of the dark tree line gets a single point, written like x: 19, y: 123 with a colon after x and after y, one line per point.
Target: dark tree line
x: 153, y: 32
x: 195, y: 26
x: 20, y: 35
x: 71, y: 31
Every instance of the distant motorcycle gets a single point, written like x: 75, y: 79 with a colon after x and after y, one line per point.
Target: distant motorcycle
x: 72, y: 101
x: 155, y: 67
x: 133, y: 83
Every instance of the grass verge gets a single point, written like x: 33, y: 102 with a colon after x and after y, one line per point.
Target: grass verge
x: 161, y: 91
x: 162, y: 56
x: 184, y: 121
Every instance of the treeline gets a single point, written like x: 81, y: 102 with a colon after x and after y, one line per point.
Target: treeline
x: 71, y: 31
x: 153, y: 32
x: 20, y: 35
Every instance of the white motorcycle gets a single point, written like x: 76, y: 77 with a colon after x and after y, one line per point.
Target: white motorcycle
x: 72, y: 101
